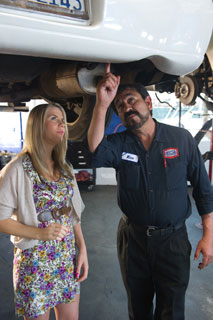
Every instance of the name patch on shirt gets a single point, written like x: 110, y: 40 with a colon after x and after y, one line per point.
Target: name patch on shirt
x: 129, y: 157
x: 170, y: 153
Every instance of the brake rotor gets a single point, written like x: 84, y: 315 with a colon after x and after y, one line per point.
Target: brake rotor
x: 186, y: 89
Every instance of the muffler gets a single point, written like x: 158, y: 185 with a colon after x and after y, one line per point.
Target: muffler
x: 67, y: 80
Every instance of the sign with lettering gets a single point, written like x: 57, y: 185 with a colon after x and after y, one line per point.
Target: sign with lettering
x: 77, y: 9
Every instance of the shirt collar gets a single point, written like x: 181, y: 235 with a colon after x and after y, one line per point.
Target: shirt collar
x: 159, y: 135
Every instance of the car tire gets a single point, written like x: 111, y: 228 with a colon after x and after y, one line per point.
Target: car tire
x: 79, y: 113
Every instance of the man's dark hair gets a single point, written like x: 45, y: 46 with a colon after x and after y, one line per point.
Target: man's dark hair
x: 135, y: 86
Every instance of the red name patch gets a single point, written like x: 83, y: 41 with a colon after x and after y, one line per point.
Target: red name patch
x: 170, y: 153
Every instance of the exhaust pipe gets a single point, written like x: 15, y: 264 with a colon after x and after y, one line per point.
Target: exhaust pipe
x: 66, y: 81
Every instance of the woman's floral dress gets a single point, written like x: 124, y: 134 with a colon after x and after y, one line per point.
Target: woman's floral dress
x: 44, y: 275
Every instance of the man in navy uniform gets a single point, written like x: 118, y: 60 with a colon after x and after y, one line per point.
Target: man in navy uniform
x: 153, y: 163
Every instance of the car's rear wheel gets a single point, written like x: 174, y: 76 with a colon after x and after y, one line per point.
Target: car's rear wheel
x: 79, y: 113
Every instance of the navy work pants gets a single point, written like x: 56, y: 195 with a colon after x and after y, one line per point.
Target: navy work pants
x: 155, y: 272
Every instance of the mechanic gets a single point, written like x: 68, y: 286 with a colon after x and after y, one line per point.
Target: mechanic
x: 153, y: 163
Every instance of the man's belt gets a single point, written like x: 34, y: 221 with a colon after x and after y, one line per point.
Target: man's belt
x: 152, y: 230
x: 53, y: 214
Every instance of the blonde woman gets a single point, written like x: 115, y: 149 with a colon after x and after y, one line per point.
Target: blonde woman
x: 40, y: 206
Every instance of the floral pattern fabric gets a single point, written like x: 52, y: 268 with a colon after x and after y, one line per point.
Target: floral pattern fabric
x: 44, y: 275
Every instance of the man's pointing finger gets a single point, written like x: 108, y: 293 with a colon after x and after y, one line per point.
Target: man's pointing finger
x: 107, y: 68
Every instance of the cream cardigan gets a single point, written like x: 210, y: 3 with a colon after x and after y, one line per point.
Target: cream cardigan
x: 16, y: 200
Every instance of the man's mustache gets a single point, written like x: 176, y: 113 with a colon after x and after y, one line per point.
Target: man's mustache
x: 129, y: 113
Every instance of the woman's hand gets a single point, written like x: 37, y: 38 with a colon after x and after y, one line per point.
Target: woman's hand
x: 54, y: 231
x: 82, y: 260
x: 82, y: 265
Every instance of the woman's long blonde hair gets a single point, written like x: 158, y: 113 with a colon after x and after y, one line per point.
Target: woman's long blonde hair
x: 34, y: 141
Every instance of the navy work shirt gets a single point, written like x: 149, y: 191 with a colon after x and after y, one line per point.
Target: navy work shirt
x: 152, y: 185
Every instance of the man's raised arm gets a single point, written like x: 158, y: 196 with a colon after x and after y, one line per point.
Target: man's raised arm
x: 106, y: 92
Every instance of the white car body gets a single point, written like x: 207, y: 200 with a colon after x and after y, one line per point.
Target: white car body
x: 172, y: 35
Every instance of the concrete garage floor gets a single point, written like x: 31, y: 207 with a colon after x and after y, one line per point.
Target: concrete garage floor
x: 102, y: 295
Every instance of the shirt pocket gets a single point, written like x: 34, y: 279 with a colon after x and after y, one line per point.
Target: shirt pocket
x: 175, y: 172
x: 129, y: 175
